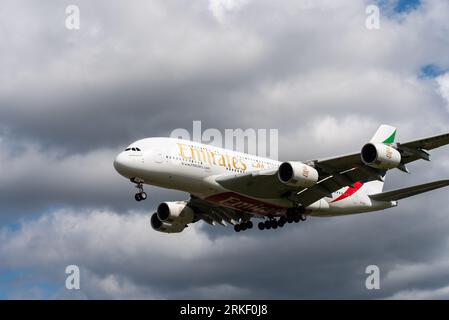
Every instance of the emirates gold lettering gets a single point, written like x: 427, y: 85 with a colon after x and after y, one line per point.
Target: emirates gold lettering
x: 211, y: 157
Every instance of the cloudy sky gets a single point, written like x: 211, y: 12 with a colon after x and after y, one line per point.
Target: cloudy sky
x: 71, y: 100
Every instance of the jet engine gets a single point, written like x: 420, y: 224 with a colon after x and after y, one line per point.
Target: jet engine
x: 380, y: 156
x: 297, y: 174
x: 172, y: 217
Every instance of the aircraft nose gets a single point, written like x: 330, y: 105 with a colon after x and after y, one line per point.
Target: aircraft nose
x: 120, y: 162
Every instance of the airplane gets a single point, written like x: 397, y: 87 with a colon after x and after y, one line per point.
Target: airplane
x: 233, y: 188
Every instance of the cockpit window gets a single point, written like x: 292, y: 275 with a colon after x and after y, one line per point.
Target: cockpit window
x: 132, y: 149
x: 127, y: 149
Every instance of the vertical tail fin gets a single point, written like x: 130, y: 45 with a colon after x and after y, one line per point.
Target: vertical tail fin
x: 385, y: 134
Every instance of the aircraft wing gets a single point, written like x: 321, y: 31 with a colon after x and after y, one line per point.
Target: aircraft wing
x: 417, y: 149
x: 267, y: 185
x: 215, y: 214
x: 259, y: 184
x: 408, y: 192
x: 334, y: 174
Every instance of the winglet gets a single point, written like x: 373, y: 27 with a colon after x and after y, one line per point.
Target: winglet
x: 385, y: 134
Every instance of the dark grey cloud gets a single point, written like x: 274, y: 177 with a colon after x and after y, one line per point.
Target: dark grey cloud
x: 323, y: 258
x: 70, y: 101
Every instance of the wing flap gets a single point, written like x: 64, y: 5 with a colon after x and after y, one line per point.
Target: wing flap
x: 410, y: 191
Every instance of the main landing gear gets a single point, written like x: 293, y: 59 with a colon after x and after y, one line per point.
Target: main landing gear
x: 141, y: 195
x: 245, y: 225
x: 272, y: 222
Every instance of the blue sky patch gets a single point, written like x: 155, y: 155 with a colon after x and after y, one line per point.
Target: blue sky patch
x: 431, y: 71
x: 407, y: 5
x: 23, y: 283
x: 399, y: 6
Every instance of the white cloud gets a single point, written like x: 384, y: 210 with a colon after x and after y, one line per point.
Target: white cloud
x: 120, y: 256
x: 443, y: 87
x: 433, y: 294
x: 220, y: 8
x: 104, y: 245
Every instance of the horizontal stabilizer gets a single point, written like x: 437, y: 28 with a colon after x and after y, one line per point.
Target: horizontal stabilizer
x: 408, y: 192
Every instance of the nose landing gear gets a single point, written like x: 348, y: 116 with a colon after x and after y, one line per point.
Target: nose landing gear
x: 141, y: 195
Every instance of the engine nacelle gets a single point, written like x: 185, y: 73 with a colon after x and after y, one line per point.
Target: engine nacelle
x: 380, y: 156
x: 297, y: 174
x: 175, y: 211
x: 172, y: 217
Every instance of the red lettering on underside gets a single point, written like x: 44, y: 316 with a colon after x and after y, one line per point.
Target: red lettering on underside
x: 242, y: 203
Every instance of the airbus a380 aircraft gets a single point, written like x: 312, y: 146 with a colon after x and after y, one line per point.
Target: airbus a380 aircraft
x: 229, y: 187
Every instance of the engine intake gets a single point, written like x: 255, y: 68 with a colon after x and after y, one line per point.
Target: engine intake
x: 171, y: 211
x: 380, y: 156
x: 172, y: 217
x: 297, y: 174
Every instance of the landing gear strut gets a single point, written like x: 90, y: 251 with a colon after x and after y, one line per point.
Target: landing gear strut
x: 141, y: 195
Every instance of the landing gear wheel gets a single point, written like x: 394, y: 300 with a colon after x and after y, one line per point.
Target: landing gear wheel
x: 249, y: 225
x: 261, y: 225
x: 274, y: 224
x: 267, y: 225
x: 237, y: 228
x: 243, y: 226
x: 296, y: 219
x: 289, y: 220
x: 141, y: 195
x: 281, y: 223
x: 302, y: 217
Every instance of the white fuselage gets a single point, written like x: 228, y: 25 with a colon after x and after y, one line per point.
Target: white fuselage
x: 193, y: 167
